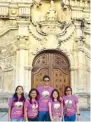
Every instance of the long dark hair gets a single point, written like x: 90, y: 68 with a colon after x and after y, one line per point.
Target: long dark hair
x: 66, y: 89
x: 58, y: 98
x: 15, y: 96
x: 29, y: 95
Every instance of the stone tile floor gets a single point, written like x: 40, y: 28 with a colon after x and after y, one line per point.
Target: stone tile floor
x: 85, y: 116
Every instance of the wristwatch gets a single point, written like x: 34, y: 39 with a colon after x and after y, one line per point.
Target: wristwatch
x: 78, y: 114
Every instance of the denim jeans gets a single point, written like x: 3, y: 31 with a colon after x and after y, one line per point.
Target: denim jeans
x: 17, y: 120
x: 44, y: 116
x: 70, y: 118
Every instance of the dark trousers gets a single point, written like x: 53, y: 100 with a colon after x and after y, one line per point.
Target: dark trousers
x: 33, y: 119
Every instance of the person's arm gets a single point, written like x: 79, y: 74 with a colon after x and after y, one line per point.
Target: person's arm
x: 9, y: 114
x: 10, y: 103
x: 25, y: 110
x: 61, y: 108
x: 50, y: 112
x: 78, y: 112
x: 25, y: 114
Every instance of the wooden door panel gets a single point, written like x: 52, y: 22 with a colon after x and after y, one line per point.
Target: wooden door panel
x: 41, y: 61
x: 56, y: 66
x: 60, y: 79
x: 60, y: 61
x: 38, y: 77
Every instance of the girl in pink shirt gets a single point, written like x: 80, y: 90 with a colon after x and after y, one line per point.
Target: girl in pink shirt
x: 16, y: 106
x: 55, y: 106
x: 31, y: 106
x: 71, y: 107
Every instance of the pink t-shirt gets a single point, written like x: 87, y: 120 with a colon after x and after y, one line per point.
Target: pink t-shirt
x: 56, y: 108
x: 44, y: 97
x: 17, y: 108
x: 32, y: 108
x: 70, y: 104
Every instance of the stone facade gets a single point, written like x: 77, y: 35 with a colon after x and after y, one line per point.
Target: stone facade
x: 28, y: 27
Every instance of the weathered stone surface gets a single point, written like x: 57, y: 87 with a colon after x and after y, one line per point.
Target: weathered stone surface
x: 27, y: 27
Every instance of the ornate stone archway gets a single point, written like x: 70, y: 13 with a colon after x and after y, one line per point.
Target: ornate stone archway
x: 55, y: 64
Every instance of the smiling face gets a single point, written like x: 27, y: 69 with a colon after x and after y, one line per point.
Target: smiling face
x: 33, y: 94
x: 55, y: 95
x: 68, y: 91
x: 46, y: 81
x: 19, y: 90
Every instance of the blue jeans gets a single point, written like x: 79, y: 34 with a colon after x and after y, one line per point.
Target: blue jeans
x: 70, y: 118
x: 17, y: 120
x: 44, y: 116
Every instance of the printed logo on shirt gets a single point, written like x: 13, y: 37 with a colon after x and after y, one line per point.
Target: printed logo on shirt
x: 68, y: 103
x: 56, y: 106
x: 34, y: 107
x: 45, y: 94
x: 19, y: 104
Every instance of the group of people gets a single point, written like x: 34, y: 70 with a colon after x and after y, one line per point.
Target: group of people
x: 43, y: 104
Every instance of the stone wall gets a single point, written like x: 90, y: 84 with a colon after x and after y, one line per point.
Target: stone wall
x: 29, y: 27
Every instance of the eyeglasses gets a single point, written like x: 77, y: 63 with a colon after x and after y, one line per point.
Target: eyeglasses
x: 68, y: 90
x: 33, y: 93
x: 46, y: 80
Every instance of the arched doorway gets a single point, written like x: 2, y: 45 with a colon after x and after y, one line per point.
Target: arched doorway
x: 55, y: 64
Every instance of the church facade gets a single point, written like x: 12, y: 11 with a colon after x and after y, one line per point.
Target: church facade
x: 40, y: 38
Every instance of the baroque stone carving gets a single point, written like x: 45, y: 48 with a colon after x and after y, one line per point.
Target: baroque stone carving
x: 22, y: 42
x: 51, y: 25
x: 7, y: 26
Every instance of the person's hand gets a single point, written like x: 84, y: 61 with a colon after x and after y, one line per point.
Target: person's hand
x: 52, y: 119
x: 9, y: 120
x: 78, y: 118
x: 26, y: 121
x: 60, y: 118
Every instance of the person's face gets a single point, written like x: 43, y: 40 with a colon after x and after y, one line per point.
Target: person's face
x: 46, y: 81
x: 19, y: 90
x: 33, y: 94
x: 68, y: 91
x: 55, y: 95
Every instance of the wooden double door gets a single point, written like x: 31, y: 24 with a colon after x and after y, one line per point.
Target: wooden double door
x: 54, y: 64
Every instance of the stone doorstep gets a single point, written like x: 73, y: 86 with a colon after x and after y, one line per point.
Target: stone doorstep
x: 3, y: 105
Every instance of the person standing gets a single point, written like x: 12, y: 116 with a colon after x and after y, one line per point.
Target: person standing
x: 31, y: 106
x: 71, y: 105
x: 43, y: 99
x: 16, y: 106
x: 56, y: 106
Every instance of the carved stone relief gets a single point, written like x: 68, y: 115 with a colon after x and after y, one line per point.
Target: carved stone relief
x: 1, y: 78
x: 8, y: 80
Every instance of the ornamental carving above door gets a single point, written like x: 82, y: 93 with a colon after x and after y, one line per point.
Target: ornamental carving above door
x: 52, y: 63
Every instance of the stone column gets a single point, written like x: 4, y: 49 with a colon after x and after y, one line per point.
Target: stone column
x: 81, y: 72
x: 22, y: 55
x: 27, y: 79
x: 79, y: 58
x: 72, y: 80
x: 21, y: 60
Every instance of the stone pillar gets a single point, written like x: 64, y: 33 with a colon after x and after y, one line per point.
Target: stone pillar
x: 21, y: 61
x: 75, y: 68
x: 27, y: 79
x: 81, y: 69
x: 79, y: 58
x: 81, y: 74
x: 22, y: 77
x: 72, y: 80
